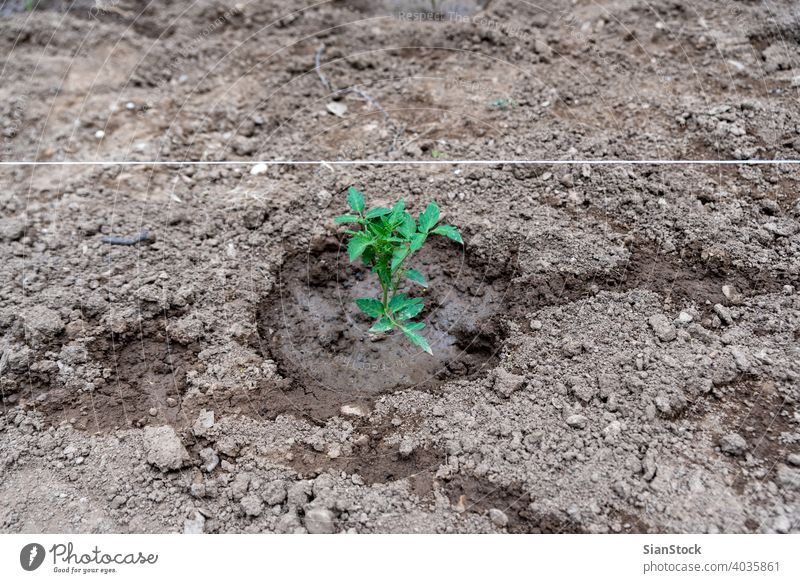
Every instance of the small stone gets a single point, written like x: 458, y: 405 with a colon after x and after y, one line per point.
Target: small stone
x: 228, y: 446
x: 352, y: 411
x: 782, y: 524
x: 42, y: 322
x: 793, y: 459
x: 498, y: 517
x: 732, y: 294
x: 684, y: 317
x: 252, y: 506
x: 612, y: 431
x: 741, y: 358
x: 153, y: 411
x: 733, y: 444
x: 724, y: 314
x: 788, y: 478
x: 662, y: 327
x: 11, y: 229
x: 274, y: 492
x: 585, y: 392
x: 209, y: 458
x: 506, y: 383
x: 319, y: 521
x: 572, y: 347
x: 406, y: 447
x: 536, y: 325
x: 204, y: 422
x: 240, y: 485
x: 194, y: 524
x: 259, y: 168
x: 577, y: 421
x: 164, y: 449
x: 337, y: 108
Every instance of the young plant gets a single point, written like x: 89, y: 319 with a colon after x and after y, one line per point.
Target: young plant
x: 386, y: 240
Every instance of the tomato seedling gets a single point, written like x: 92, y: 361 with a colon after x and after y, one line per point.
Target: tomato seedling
x: 386, y: 240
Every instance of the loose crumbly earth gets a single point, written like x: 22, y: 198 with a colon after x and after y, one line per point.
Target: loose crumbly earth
x: 619, y: 346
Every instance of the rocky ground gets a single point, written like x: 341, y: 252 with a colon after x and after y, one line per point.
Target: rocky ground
x: 618, y: 347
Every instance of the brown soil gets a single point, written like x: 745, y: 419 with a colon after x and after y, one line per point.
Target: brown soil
x: 314, y: 331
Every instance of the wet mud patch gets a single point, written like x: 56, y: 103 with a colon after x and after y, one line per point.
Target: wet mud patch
x: 320, y: 342
x: 375, y: 459
x: 761, y: 414
x: 139, y: 380
x: 692, y: 278
x: 470, y: 494
x: 426, y: 10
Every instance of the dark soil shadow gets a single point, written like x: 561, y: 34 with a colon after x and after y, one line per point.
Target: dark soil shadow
x: 142, y: 374
x: 375, y: 461
x: 686, y: 279
x: 479, y: 496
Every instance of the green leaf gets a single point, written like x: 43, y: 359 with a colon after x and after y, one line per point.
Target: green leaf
x: 377, y: 212
x: 408, y: 227
x: 448, y: 231
x: 410, y: 311
x: 345, y: 219
x: 417, y: 241
x: 397, y: 211
x: 398, y: 256
x: 369, y: 255
x: 357, y: 245
x: 382, y: 325
x: 370, y: 306
x: 429, y: 218
x: 413, y: 326
x: 415, y: 275
x: 355, y: 199
x: 399, y: 301
x: 418, y: 340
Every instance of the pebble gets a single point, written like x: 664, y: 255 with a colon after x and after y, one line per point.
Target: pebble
x: 498, y: 518
x: 788, y: 478
x: 684, y: 317
x: 259, y: 168
x: 406, y: 447
x: 319, y: 521
x: 507, y: 383
x: 194, y: 524
x: 577, y: 421
x: 204, y: 422
x: 209, y: 458
x: 733, y: 444
x: 352, y: 411
x: 782, y: 524
x: 274, y: 492
x: 663, y: 328
x: 793, y: 459
x: 164, y: 449
x: 11, y: 229
x: 724, y: 314
x: 252, y: 505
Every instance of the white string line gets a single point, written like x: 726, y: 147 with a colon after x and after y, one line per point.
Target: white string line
x: 390, y: 162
